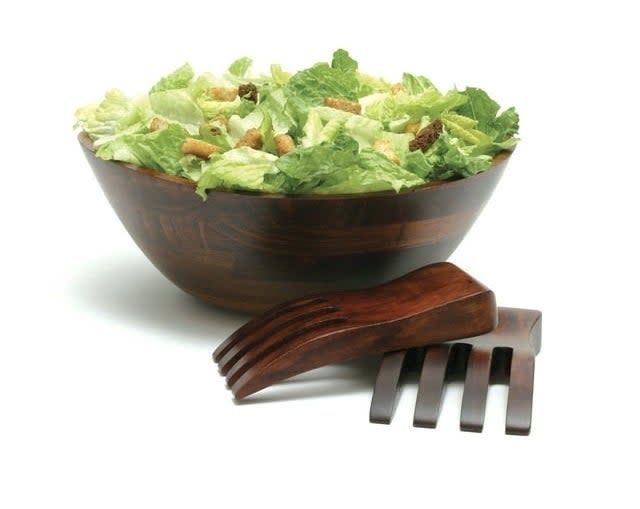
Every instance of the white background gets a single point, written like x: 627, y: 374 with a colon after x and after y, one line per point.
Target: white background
x: 108, y: 395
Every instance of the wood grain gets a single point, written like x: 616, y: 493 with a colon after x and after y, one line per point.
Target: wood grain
x: 250, y: 251
x: 433, y: 304
x: 505, y: 355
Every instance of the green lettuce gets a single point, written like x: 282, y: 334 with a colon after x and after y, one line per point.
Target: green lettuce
x: 484, y: 110
x: 324, y: 123
x: 116, y: 113
x: 180, y: 78
x: 334, y: 151
x: 340, y: 167
x: 177, y: 106
x: 343, y: 62
x: 274, y: 103
x: 241, y: 168
x: 447, y: 158
x: 159, y: 150
x: 310, y: 87
x: 240, y: 67
x: 389, y: 107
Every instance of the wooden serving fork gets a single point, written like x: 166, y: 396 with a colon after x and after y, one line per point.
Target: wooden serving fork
x: 506, y: 355
x: 430, y: 305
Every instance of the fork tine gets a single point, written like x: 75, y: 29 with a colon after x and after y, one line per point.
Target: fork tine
x: 386, y: 388
x: 255, y: 341
x: 260, y: 338
x: 260, y: 321
x: 520, y: 400
x: 271, y: 343
x: 476, y: 385
x: 430, y: 386
x: 295, y: 354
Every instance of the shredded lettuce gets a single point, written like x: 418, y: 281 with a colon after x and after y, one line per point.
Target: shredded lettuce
x: 346, y: 131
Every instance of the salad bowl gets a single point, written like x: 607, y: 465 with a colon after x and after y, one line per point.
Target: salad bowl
x: 249, y: 251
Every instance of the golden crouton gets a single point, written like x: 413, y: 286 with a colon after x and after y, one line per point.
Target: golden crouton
x: 343, y: 104
x: 222, y: 119
x: 199, y: 148
x: 412, y: 128
x: 252, y: 138
x: 427, y: 136
x: 284, y: 143
x: 223, y: 93
x: 157, y: 124
x: 396, y: 88
x: 385, y: 147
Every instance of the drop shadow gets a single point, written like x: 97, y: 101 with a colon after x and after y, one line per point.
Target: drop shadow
x: 130, y: 290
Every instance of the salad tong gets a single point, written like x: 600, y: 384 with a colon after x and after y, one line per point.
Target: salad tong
x: 434, y: 304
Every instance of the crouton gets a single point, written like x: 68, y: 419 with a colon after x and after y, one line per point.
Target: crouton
x: 157, y: 124
x: 385, y: 147
x: 396, y: 88
x: 284, y: 143
x: 199, y: 148
x: 412, y: 128
x: 343, y: 104
x: 223, y: 93
x: 426, y: 136
x: 252, y: 138
x: 222, y: 119
x: 249, y: 92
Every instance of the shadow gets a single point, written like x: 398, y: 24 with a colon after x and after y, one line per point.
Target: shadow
x: 338, y: 380
x: 130, y: 290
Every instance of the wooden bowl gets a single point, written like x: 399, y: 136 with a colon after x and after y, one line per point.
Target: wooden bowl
x: 250, y: 251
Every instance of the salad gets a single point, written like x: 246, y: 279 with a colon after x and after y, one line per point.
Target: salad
x: 326, y: 129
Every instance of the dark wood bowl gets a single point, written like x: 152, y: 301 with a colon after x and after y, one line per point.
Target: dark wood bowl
x: 250, y: 251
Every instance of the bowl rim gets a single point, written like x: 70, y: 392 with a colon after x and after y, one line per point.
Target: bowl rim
x: 499, y: 158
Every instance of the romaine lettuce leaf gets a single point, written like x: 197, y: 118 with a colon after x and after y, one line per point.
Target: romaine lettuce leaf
x: 241, y: 168
x: 180, y: 78
x: 191, y: 167
x: 114, y: 114
x: 274, y: 103
x: 310, y: 87
x: 447, y: 158
x: 266, y: 131
x: 215, y: 132
x: 373, y: 172
x: 240, y: 67
x: 370, y: 84
x: 415, y: 85
x: 464, y: 128
x: 177, y: 106
x: 211, y: 108
x: 159, y: 150
x: 324, y: 123
x: 484, y: 110
x: 278, y: 76
x: 343, y: 62
x: 238, y: 126
x: 389, y: 107
x: 340, y: 167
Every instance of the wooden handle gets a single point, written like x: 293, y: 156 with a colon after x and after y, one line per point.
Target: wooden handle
x: 432, y: 305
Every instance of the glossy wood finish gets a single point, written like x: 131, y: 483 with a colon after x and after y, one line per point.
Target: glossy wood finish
x: 250, y: 251
x: 504, y: 355
x: 433, y: 304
